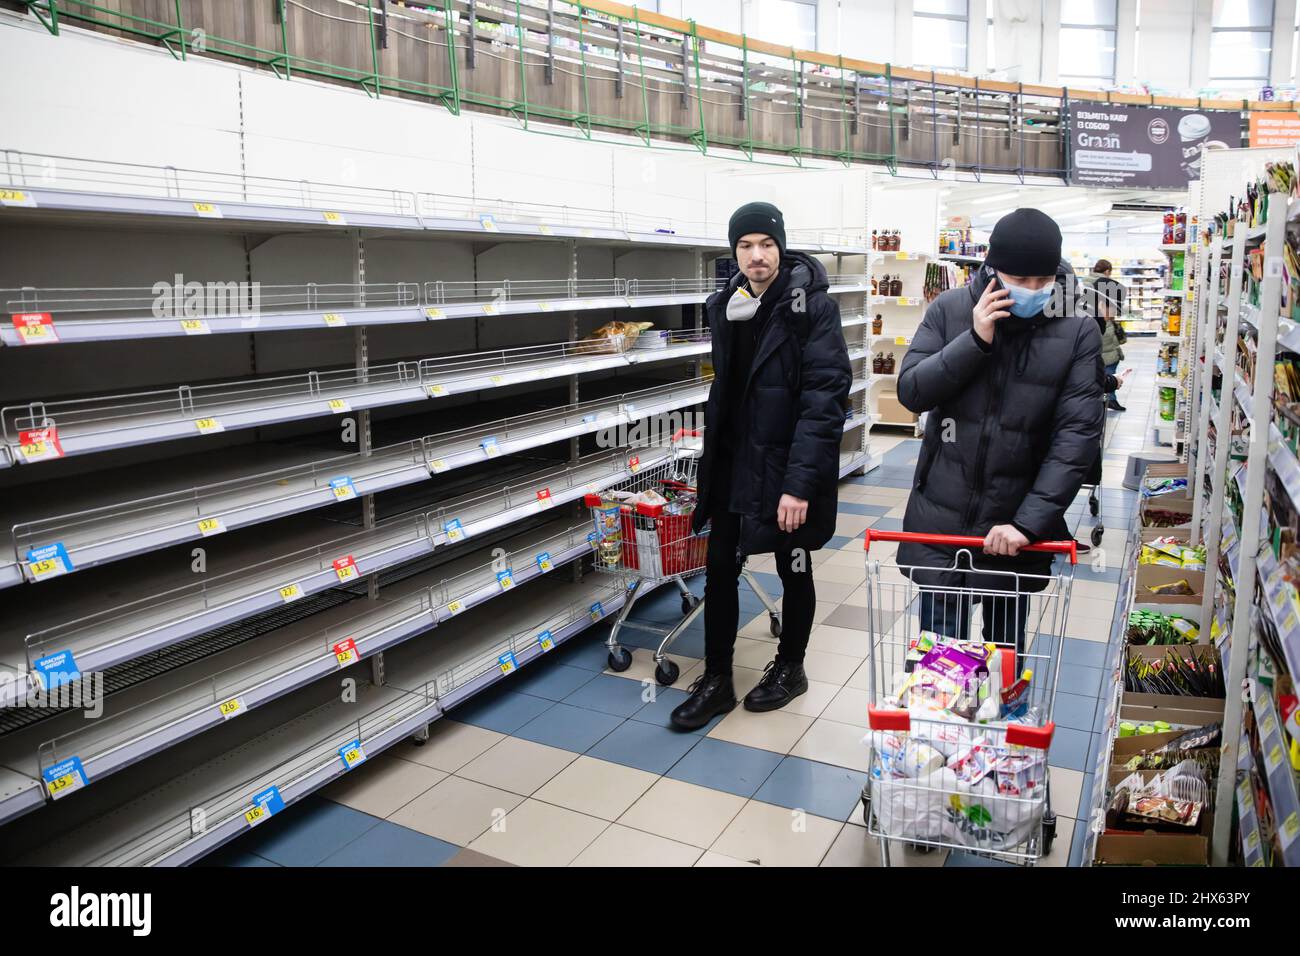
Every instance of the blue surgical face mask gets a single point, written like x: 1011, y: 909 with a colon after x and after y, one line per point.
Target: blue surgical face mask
x: 1027, y: 303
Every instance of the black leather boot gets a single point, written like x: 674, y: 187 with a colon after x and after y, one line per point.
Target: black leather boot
x: 781, y: 683
x: 711, y: 695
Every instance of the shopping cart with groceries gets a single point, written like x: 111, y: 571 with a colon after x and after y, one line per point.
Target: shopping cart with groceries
x: 960, y: 725
x: 643, y: 534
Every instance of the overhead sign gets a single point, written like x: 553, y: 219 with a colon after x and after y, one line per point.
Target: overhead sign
x: 1274, y: 129
x: 1144, y: 146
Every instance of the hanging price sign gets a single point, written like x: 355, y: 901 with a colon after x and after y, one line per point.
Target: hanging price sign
x: 453, y: 529
x: 506, y: 579
x: 40, y: 444
x: 346, y: 568
x: 544, y: 561
x: 545, y: 641
x: 345, y: 652
x: 508, y: 663
x: 35, y: 328
x: 65, y: 777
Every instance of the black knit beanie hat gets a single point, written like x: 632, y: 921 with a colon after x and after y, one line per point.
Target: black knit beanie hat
x: 756, y: 217
x: 1026, y: 242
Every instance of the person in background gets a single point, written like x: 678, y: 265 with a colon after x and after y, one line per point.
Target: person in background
x: 1011, y: 370
x: 1109, y: 308
x: 769, y: 470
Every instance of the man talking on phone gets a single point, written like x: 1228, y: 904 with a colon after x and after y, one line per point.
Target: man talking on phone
x: 1009, y: 369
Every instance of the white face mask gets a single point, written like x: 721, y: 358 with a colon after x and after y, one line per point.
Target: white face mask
x: 742, y: 306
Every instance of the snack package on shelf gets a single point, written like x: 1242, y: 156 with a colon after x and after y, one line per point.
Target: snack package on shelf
x: 1190, y: 671
x: 612, y: 337
x: 1172, y: 553
x: 1151, y: 627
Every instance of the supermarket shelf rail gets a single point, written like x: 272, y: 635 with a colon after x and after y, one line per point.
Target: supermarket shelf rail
x: 111, y: 532
x: 40, y: 431
x: 72, y: 184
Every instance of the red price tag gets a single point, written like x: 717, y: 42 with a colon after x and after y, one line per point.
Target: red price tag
x: 39, y: 444
x: 35, y: 328
x: 346, y: 568
x: 346, y: 652
x: 544, y: 498
x: 634, y: 463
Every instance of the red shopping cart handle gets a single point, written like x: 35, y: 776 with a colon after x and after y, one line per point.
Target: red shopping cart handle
x: 1023, y: 735
x: 965, y: 541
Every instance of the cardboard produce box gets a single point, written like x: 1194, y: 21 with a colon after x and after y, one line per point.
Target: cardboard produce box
x: 892, y: 411
x: 1155, y: 575
x: 1149, y: 848
x: 1180, y: 504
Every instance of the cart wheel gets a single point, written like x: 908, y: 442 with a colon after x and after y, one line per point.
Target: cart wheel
x: 666, y: 673
x: 1049, y: 832
x: 1093, y: 504
x: 866, y: 805
x: 1097, y: 532
x: 620, y: 659
x: 774, y: 626
x: 688, y: 602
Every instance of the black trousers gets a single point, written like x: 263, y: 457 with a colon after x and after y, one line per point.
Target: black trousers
x: 722, y: 599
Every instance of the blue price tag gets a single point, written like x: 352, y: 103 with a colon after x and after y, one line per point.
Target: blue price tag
x: 56, y: 670
x: 64, y: 777
x: 506, y: 579
x: 545, y: 640
x: 588, y: 418
x: 593, y: 539
x: 596, y: 611
x: 352, y: 754
x: 488, y: 223
x: 266, y: 804
x: 454, y: 530
x: 490, y: 447
x: 507, y: 662
x: 49, y: 561
x: 343, y: 488
x: 544, y: 561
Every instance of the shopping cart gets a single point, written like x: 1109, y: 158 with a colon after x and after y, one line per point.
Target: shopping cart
x: 652, y: 544
x: 938, y: 777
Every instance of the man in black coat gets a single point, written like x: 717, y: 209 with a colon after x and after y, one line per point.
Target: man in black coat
x: 1010, y: 370
x: 769, y: 471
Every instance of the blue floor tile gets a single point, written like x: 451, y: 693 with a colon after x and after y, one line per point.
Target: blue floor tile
x: 576, y: 729
x: 228, y: 856
x: 1075, y: 711
x: 1078, y: 679
x: 823, y: 790
x: 838, y: 541
x: 1077, y: 844
x: 306, y: 833
x: 607, y: 694
x: 502, y: 711
x: 644, y: 746
x: 722, y: 765
x: 1085, y: 794
x: 872, y: 481
x: 887, y: 524
x: 1094, y: 752
x: 854, y: 508
x: 1087, y: 653
x: 1070, y: 749
x: 551, y: 680
x: 666, y: 700
x: 586, y: 651
x: 388, y: 844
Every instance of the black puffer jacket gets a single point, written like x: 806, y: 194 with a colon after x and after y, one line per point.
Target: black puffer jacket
x: 1012, y: 431
x: 788, y: 426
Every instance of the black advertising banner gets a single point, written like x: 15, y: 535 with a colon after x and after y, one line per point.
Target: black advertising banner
x: 1144, y: 146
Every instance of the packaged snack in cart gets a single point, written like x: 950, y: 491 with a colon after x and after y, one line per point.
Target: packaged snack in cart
x: 1018, y: 775
x: 920, y: 645
x: 972, y: 764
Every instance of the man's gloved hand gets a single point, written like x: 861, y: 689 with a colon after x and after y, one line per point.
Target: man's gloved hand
x: 791, y: 512
x: 1005, y: 540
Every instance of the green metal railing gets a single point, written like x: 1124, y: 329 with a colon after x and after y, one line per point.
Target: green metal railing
x: 836, y: 114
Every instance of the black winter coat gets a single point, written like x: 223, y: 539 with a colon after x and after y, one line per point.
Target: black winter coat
x: 1011, y: 434
x: 790, y: 421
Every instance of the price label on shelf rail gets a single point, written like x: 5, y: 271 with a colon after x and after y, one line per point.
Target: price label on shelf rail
x: 506, y: 579
x: 544, y: 499
x: 207, y: 210
x: 290, y: 593
x: 55, y: 670
x: 17, y: 197
x: 508, y: 663
x: 902, y: 300
x: 195, y: 327
x: 455, y: 531
x: 900, y: 340
x: 231, y: 708
x: 1268, y: 726
x: 333, y: 218
x: 434, y: 314
x: 544, y: 561
x: 35, y: 328
x: 488, y: 223
x: 345, y: 652
x: 334, y: 320
x: 438, y: 466
x: 339, y: 405
x: 1290, y: 829
x: 342, y: 488
x: 901, y: 255
x: 40, y: 444
x: 1274, y: 758
x: 437, y: 391
x: 65, y: 777
x: 346, y: 568
x: 497, y: 379
x: 545, y: 230
x: 266, y: 804
x: 211, y: 526
x: 593, y: 539
x: 634, y: 464
x: 545, y: 641
x: 544, y: 306
x: 352, y: 754
x: 490, y: 447
x: 455, y: 607
x: 490, y: 308
x: 208, y: 426
x: 597, y: 611
x: 48, y: 561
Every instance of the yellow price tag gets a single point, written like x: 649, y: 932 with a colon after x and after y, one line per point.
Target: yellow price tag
x: 334, y: 218
x: 343, y: 492
x: 35, y: 332
x: 438, y: 466
x: 544, y: 306
x: 900, y: 340
x: 496, y: 379
x: 1268, y: 726
x: 15, y: 196
x: 194, y: 327
x: 353, y: 756
x: 207, y: 210
x: 545, y: 564
x: 545, y: 230
x: 339, y: 405
x: 455, y: 607
x: 1290, y: 828
x: 231, y: 707
x: 46, y: 568
x: 208, y: 426
x: 490, y: 308
x: 35, y: 449
x: 346, y: 572
x: 547, y: 644
x: 1252, y: 841
x: 1274, y: 759
x: 437, y: 391
x: 334, y: 320
x: 211, y: 526
x: 901, y: 255
x: 291, y: 592
x: 1288, y: 624
x: 61, y: 783
x: 256, y: 815
x: 507, y: 582
x: 434, y: 314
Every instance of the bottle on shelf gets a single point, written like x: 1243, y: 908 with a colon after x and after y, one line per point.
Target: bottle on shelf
x: 889, y: 364
x: 896, y: 241
x: 875, y: 239
x: 877, y: 364
x: 877, y: 324
x: 896, y: 286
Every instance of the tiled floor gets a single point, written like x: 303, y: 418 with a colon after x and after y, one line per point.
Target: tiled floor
x: 571, y: 764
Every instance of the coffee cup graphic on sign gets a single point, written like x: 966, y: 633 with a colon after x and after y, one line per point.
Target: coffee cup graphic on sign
x: 1194, y: 132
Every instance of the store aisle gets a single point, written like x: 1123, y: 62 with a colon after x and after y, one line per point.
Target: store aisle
x: 569, y: 763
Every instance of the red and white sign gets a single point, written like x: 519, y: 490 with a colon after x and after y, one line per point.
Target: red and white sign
x: 346, y: 568
x: 38, y: 444
x: 35, y: 328
x: 634, y: 463
x: 544, y: 498
x: 346, y: 652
